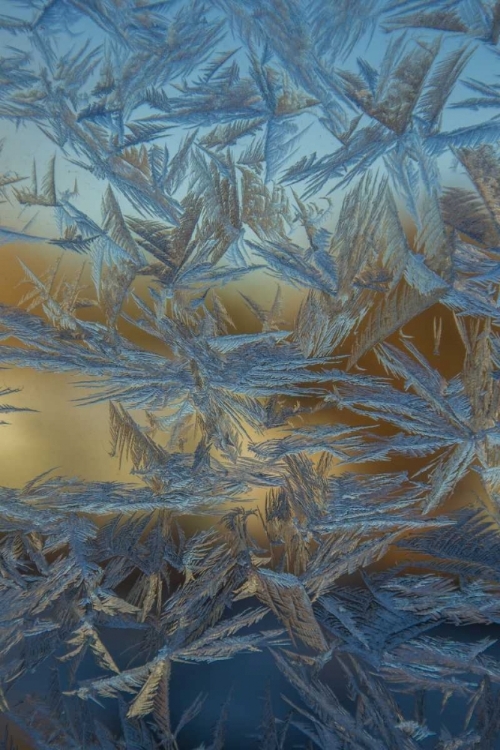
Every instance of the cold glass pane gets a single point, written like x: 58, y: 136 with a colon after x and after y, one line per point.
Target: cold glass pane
x: 249, y: 492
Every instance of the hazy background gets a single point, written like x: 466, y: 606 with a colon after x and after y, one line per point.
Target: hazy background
x: 75, y: 440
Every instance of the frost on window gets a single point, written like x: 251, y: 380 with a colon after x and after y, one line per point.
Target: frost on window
x: 249, y: 377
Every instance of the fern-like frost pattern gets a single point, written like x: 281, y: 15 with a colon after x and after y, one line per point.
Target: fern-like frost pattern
x: 296, y: 481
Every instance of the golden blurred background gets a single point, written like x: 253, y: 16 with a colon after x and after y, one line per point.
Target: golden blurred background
x: 75, y: 438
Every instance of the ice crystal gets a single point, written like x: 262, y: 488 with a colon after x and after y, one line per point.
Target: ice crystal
x: 343, y: 151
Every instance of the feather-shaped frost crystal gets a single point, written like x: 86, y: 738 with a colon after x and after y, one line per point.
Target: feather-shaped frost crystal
x: 250, y: 256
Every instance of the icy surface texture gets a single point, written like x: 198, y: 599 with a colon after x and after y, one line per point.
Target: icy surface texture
x: 279, y: 222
